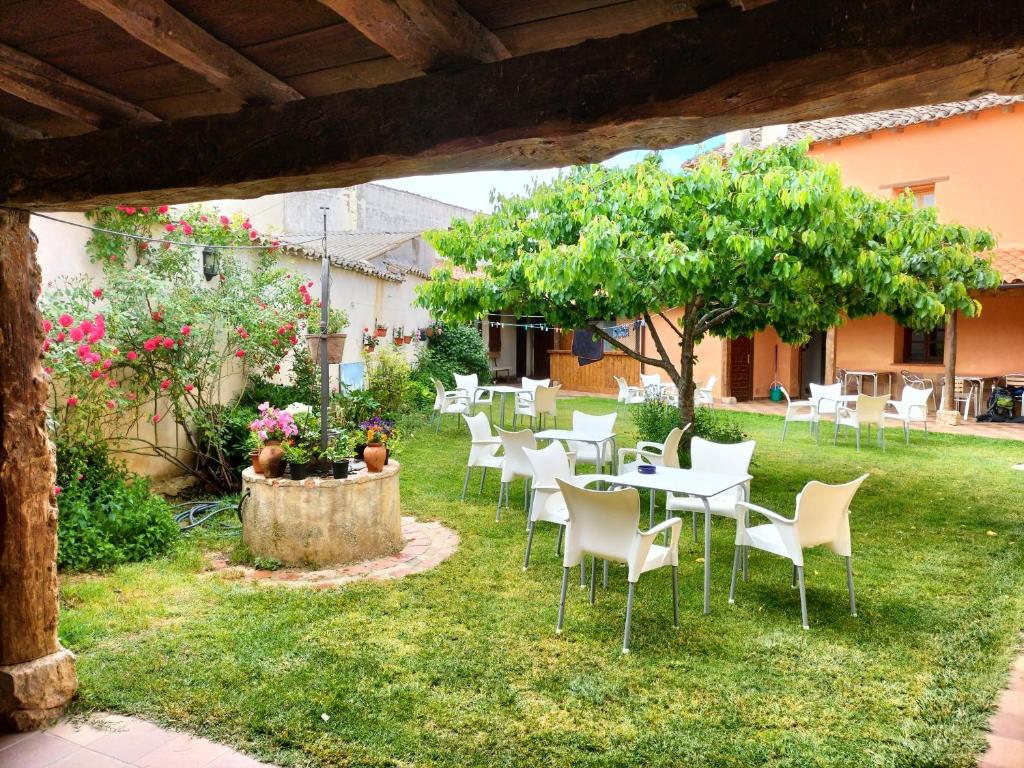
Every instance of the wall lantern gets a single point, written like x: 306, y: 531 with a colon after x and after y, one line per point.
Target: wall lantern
x: 211, y: 264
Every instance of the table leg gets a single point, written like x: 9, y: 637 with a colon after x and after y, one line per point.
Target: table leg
x: 707, y: 557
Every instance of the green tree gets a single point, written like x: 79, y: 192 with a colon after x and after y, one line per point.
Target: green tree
x: 762, y: 238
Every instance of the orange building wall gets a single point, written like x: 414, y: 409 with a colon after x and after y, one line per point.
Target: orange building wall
x: 766, y: 344
x: 709, y: 352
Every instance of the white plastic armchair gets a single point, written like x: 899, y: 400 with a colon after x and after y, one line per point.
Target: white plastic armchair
x: 870, y: 412
x: 651, y: 384
x: 628, y: 395
x: 483, y: 449
x: 541, y: 404
x: 604, y: 524
x: 799, y: 411
x: 706, y: 456
x: 705, y: 395
x: 446, y: 402
x: 515, y: 464
x: 659, y: 454
x: 912, y: 406
x: 822, y: 517
x: 529, y: 386
x: 587, y: 453
x: 550, y: 464
x: 469, y: 384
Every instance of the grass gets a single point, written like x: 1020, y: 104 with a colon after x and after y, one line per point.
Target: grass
x: 460, y: 666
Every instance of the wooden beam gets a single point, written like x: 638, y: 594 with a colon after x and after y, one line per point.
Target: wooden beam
x: 36, y: 81
x: 670, y: 85
x: 15, y: 130
x: 160, y: 26
x: 429, y: 35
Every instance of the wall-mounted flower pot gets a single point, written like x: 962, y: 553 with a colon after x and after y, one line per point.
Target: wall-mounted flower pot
x: 407, y: 338
x: 381, y: 331
x: 399, y: 341
x: 335, y: 347
x: 298, y: 471
x: 340, y: 469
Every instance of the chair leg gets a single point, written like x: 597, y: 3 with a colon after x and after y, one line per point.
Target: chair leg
x: 732, y: 582
x: 502, y: 490
x: 526, y: 492
x: 483, y: 478
x: 593, y: 579
x: 793, y: 583
x: 650, y: 514
x: 746, y: 563
x: 529, y: 544
x: 675, y: 597
x: 694, y: 526
x: 906, y: 432
x: 558, y: 541
x: 785, y: 424
x: 849, y: 585
x: 561, y: 604
x: 465, y: 483
x: 856, y: 432
x: 803, y: 596
x: 629, y: 616
x: 604, y: 576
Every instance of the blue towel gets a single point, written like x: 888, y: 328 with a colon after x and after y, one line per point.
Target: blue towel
x: 588, y: 347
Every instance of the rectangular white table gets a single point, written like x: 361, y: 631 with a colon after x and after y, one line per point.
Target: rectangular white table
x: 597, y: 439
x: 691, y: 482
x: 503, y: 390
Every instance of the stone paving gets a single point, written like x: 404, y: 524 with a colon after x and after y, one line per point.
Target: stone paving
x: 426, y: 546
x: 1006, y: 740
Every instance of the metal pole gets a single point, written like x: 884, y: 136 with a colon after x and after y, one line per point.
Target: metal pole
x: 325, y: 306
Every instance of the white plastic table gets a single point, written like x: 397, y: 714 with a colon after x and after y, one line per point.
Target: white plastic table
x: 597, y: 439
x: 861, y: 375
x: 504, y: 391
x: 692, y: 482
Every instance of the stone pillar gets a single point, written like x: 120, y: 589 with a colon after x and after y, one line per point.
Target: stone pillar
x: 37, y: 676
x: 948, y: 413
x: 830, y: 356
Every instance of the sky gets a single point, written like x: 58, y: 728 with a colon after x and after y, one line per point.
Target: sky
x: 473, y: 190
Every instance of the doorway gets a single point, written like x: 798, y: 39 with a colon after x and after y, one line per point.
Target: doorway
x: 543, y: 342
x: 812, y: 362
x: 741, y: 368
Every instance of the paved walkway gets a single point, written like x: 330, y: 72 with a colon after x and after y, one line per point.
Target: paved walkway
x: 1006, y: 742
x: 113, y: 741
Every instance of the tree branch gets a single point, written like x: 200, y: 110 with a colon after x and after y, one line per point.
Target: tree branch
x: 623, y: 348
x: 666, y: 361
x: 671, y: 325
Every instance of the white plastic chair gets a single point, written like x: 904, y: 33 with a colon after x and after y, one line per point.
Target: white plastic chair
x: 705, y: 394
x: 964, y: 394
x: 469, y: 384
x: 822, y: 517
x: 651, y: 384
x: 799, y: 411
x: 912, y: 406
x: 604, y: 524
x: 483, y: 449
x: 446, y: 402
x: 540, y: 405
x: 659, y: 454
x: 550, y: 464
x: 628, y: 395
x: 870, y: 412
x: 706, y: 456
x: 515, y: 464
x: 918, y: 381
x: 588, y: 453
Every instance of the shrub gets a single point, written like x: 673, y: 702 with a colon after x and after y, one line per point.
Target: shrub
x: 452, y: 349
x: 655, y: 418
x: 717, y: 426
x: 352, y: 406
x: 106, y: 515
x: 223, y: 436
x: 388, y: 379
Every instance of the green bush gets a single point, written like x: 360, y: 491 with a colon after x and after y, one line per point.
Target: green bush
x: 223, y: 438
x: 305, y: 386
x: 388, y: 379
x: 717, y: 426
x: 352, y: 406
x: 654, y: 418
x: 106, y: 515
x: 452, y: 349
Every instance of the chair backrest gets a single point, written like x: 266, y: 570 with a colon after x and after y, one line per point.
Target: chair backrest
x: 1014, y: 379
x: 530, y: 385
x: 516, y: 464
x: 550, y: 464
x: 915, y: 396
x: 544, y: 398
x: 650, y: 380
x: 785, y: 394
x: 727, y: 458
x: 623, y: 388
x: 870, y: 409
x: 821, y: 511
x: 670, y: 454
x: 585, y: 422
x: 439, y: 397
x: 601, y: 523
x: 468, y: 382
x: 710, y: 386
x: 479, y: 427
x: 827, y: 392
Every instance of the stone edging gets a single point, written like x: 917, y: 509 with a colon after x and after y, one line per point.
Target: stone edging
x: 426, y: 546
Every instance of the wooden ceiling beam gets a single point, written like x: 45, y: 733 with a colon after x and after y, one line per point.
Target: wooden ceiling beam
x: 39, y: 83
x: 670, y: 85
x: 15, y: 130
x: 177, y: 37
x: 429, y: 35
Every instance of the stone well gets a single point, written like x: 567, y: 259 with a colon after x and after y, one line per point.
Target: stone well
x: 323, y: 521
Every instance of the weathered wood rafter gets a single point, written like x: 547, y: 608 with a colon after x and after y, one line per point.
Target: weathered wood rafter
x: 426, y: 34
x: 672, y: 84
x: 36, y: 81
x: 15, y: 130
x: 160, y: 26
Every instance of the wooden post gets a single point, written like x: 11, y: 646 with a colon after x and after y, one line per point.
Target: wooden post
x: 830, y: 356
x: 37, y: 676
x: 947, y: 412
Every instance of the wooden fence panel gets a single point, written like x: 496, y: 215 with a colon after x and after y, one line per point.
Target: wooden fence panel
x: 596, y: 377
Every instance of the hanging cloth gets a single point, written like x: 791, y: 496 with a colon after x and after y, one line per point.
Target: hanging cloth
x: 587, y: 346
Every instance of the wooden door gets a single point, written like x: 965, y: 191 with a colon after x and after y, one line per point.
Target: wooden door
x: 741, y: 368
x: 543, y: 342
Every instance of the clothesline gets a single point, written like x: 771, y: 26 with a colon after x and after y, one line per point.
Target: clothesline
x: 619, y: 331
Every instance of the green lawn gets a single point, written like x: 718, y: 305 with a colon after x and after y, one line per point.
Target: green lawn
x: 460, y: 666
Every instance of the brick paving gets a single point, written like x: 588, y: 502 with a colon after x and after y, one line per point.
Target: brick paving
x: 1006, y: 740
x: 426, y: 546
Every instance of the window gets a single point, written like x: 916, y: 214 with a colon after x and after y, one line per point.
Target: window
x: 923, y: 347
x: 924, y: 195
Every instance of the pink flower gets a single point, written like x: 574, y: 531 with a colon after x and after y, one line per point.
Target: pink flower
x: 158, y: 316
x: 253, y: 234
x: 95, y: 374
x: 149, y: 345
x: 225, y: 220
x: 47, y: 326
x: 94, y: 357
x: 162, y: 209
x: 129, y: 210
x: 246, y: 224
x: 131, y: 355
x: 186, y: 330
x: 56, y: 490
x: 189, y: 387
x: 60, y: 336
x: 66, y: 320
x: 86, y: 326
x: 48, y: 370
x: 240, y: 353
x: 107, y: 363
x: 98, y: 293
x: 168, y: 343
x: 145, y: 209
x: 170, y: 227
x: 186, y: 228
x: 156, y: 418
x: 165, y: 384
x: 111, y: 404
x: 112, y: 384
x: 84, y: 350
x: 72, y: 400
x: 46, y: 345
x: 204, y: 218
x: 77, y: 334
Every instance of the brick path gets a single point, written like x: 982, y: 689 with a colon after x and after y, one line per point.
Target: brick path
x: 1006, y: 741
x: 426, y: 546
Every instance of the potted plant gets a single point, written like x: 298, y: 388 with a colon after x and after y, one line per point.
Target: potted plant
x: 336, y: 322
x: 370, y: 341
x: 254, y: 446
x: 399, y: 336
x: 272, y: 427
x: 339, y: 451
x: 298, y: 457
x: 381, y: 330
x: 407, y: 338
x: 378, y: 431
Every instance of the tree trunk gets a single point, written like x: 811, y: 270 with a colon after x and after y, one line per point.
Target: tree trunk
x: 949, y: 361
x: 685, y: 382
x: 37, y: 676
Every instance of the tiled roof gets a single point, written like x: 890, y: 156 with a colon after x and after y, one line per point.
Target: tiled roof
x: 1010, y: 263
x: 353, y: 250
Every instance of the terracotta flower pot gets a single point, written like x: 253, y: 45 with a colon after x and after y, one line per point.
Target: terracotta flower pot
x: 272, y: 459
x: 335, y: 347
x: 399, y: 341
x: 381, y: 330
x: 257, y: 465
x: 375, y: 455
x: 407, y: 338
